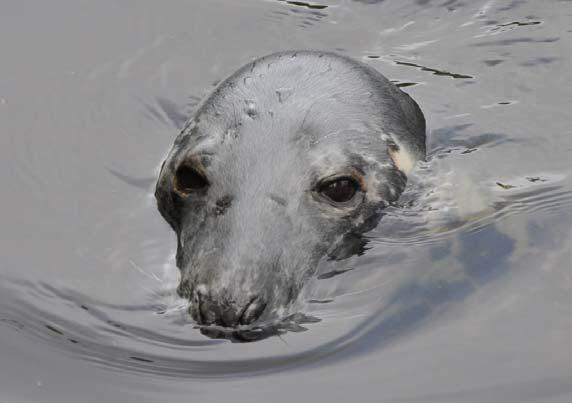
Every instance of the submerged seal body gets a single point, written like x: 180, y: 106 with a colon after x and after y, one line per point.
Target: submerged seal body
x: 286, y: 162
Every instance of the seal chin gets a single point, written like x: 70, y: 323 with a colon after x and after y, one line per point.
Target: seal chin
x: 256, y: 332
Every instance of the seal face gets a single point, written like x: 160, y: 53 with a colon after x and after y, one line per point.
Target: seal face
x: 286, y: 162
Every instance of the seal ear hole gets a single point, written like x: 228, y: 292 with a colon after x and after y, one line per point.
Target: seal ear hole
x: 188, y: 179
x: 339, y: 190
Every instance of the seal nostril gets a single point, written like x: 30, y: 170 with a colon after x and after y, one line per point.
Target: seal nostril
x: 208, y: 310
x: 252, y: 311
x: 229, y: 316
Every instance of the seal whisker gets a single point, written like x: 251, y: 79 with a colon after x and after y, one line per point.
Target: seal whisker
x: 151, y: 275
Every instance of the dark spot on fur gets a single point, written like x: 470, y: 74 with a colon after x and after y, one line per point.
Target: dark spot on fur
x: 223, y: 204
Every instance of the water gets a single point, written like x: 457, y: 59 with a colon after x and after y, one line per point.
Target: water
x: 464, y: 293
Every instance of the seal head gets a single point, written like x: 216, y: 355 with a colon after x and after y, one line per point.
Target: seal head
x: 289, y: 160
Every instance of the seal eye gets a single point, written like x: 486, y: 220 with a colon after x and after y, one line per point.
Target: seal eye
x: 188, y: 179
x: 339, y: 190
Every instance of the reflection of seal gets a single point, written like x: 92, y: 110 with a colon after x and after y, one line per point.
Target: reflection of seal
x: 289, y: 160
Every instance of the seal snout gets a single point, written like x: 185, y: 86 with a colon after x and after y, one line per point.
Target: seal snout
x: 209, y: 309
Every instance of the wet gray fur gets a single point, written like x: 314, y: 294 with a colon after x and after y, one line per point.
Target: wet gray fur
x: 265, y: 138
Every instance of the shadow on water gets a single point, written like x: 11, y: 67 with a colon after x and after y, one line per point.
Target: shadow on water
x: 311, y: 6
x: 484, y: 256
x: 449, y: 139
x: 434, y: 71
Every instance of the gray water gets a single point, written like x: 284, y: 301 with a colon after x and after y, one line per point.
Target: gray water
x: 465, y: 292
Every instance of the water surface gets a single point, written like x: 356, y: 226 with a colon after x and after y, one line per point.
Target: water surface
x: 464, y: 293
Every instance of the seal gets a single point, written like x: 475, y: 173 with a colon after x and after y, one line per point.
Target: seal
x: 288, y: 161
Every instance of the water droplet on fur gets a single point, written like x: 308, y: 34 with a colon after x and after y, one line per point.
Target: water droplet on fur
x: 283, y: 94
x: 250, y: 108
